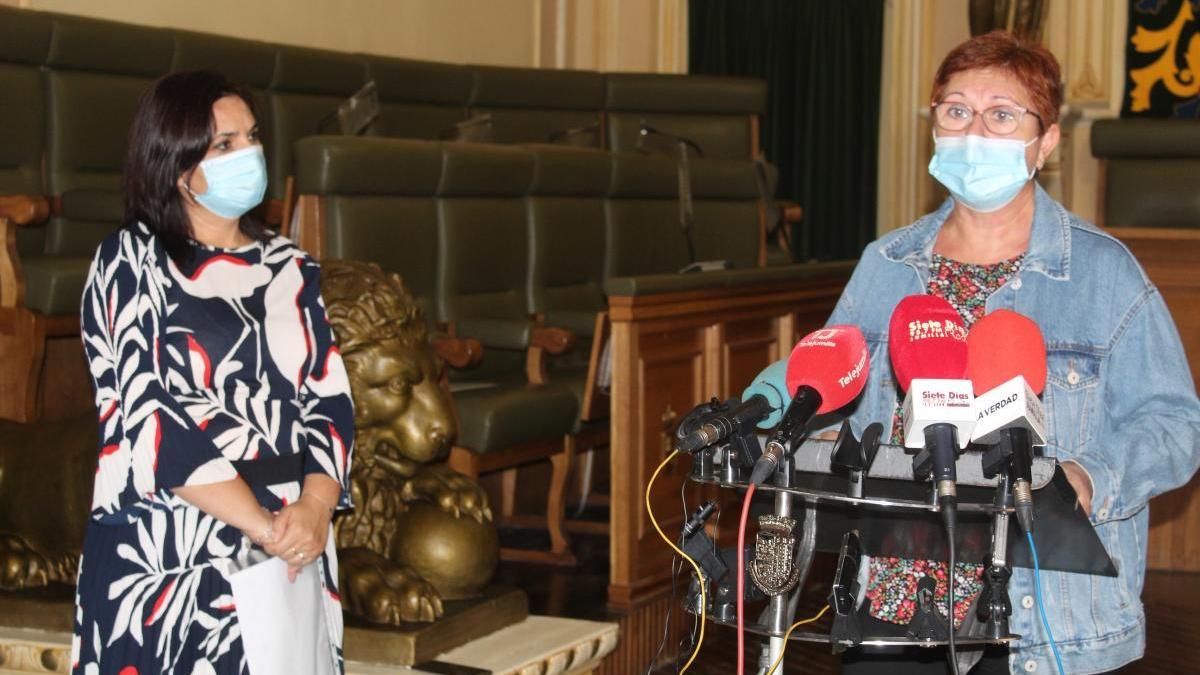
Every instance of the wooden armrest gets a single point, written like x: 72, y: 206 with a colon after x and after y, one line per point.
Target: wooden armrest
x: 792, y: 212
x: 545, y: 340
x: 458, y: 352
x: 23, y: 209
x: 553, y: 340
x: 16, y: 211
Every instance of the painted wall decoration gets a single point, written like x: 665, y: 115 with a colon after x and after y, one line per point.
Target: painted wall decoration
x: 1162, y: 59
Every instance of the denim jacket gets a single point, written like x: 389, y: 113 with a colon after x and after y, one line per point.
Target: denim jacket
x: 1119, y: 399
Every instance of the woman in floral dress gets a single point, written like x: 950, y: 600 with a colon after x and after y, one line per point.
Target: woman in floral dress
x: 225, y: 412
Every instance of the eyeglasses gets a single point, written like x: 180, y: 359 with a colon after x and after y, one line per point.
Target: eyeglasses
x: 1001, y: 120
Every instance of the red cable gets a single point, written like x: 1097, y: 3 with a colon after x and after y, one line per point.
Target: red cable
x: 741, y: 581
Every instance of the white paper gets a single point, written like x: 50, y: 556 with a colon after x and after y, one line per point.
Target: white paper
x: 283, y: 624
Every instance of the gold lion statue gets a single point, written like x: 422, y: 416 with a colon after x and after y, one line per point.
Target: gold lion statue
x: 420, y: 533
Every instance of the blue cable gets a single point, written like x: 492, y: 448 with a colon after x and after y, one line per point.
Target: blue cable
x: 1037, y: 585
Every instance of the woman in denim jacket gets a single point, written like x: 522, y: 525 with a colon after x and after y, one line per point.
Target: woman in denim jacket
x: 1123, y: 416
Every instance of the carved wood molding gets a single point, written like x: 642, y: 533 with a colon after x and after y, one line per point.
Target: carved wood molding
x: 1092, y: 50
x: 26, y: 651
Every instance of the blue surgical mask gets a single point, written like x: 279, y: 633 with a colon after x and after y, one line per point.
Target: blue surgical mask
x: 236, y: 182
x: 984, y: 174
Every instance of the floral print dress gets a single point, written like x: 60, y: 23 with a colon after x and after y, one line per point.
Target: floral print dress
x: 229, y: 358
x: 892, y: 584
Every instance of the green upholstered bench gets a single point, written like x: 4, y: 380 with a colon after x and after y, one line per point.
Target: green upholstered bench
x: 721, y: 114
x: 528, y: 105
x: 418, y: 99
x: 1151, y: 172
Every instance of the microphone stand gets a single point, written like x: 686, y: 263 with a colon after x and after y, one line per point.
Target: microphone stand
x: 1011, y: 459
x: 938, y: 458
x: 777, y: 611
x: 994, y: 606
x: 781, y: 610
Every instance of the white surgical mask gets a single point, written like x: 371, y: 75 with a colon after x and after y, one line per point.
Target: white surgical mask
x: 236, y: 182
x: 982, y: 173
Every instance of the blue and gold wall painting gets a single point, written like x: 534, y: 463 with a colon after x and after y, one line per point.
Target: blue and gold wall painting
x: 1162, y: 59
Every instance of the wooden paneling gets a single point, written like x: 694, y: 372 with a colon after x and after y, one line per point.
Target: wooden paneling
x: 66, y: 389
x: 22, y: 348
x: 1170, y: 258
x: 641, y: 633
x: 748, y: 345
x: 672, y: 351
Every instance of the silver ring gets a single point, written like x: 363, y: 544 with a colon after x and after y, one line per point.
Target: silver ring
x: 300, y: 554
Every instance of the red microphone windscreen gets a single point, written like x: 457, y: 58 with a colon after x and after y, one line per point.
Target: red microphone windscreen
x: 1001, y: 346
x: 927, y: 339
x: 832, y: 360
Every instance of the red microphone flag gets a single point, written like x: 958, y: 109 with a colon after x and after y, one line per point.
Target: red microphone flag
x: 1001, y: 346
x: 927, y: 340
x: 833, y: 361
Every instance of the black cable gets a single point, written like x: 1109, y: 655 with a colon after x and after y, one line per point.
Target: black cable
x: 717, y: 528
x: 686, y: 642
x: 675, y: 569
x: 667, y: 622
x: 950, y: 605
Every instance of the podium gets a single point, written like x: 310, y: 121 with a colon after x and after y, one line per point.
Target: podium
x: 858, y: 501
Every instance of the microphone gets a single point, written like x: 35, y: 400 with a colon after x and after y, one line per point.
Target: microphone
x: 771, y: 383
x: 1006, y: 361
x: 826, y: 370
x: 927, y: 343
x: 762, y: 403
x: 722, y: 426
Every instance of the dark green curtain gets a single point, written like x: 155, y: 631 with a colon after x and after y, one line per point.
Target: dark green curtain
x: 821, y: 60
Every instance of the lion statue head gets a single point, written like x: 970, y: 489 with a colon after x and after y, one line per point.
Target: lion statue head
x: 402, y: 415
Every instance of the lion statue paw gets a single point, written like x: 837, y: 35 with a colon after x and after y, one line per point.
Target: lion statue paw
x: 382, y: 591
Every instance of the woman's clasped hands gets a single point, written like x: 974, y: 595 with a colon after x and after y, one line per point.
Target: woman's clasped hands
x: 297, y: 533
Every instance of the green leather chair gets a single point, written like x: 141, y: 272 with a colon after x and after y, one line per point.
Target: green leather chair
x: 1151, y: 172
x: 642, y: 217
x: 377, y: 205
x: 24, y: 44
x: 645, y: 235
x: 530, y: 105
x: 719, y: 113
x: 418, y: 99
x: 505, y: 420
x: 372, y: 199
x: 94, y: 81
x: 306, y: 88
x: 566, y: 234
x: 727, y: 211
x: 566, y: 231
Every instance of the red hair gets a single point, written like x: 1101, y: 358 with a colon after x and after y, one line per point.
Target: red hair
x: 1029, y: 63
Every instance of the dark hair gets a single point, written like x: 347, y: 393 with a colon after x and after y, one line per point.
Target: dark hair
x: 1029, y: 63
x: 170, y: 135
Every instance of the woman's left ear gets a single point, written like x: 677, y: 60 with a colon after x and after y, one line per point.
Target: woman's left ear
x: 182, y: 184
x: 1048, y: 142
